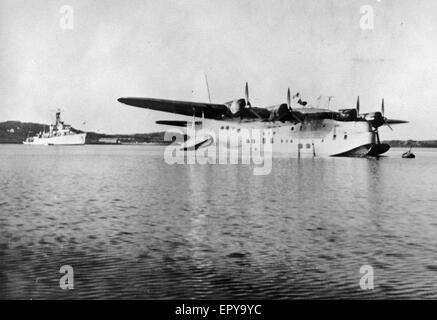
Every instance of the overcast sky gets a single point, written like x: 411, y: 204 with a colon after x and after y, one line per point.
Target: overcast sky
x: 162, y: 49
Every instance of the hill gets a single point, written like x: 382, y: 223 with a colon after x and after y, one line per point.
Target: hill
x: 16, y: 132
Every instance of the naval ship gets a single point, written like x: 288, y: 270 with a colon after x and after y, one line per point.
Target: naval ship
x: 58, y: 134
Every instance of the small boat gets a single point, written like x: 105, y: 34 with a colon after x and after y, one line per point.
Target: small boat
x: 408, y: 155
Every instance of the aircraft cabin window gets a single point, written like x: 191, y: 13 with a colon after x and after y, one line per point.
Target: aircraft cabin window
x: 221, y: 128
x: 334, y: 137
x: 286, y: 141
x: 291, y: 141
x: 247, y: 141
x: 345, y: 136
x: 300, y: 146
x: 227, y: 127
x: 308, y: 146
x: 292, y: 128
x: 271, y: 140
x: 264, y: 140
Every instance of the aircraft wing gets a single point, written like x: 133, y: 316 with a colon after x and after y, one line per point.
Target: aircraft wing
x: 209, y: 110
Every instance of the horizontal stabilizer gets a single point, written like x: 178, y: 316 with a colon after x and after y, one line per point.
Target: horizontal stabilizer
x: 393, y: 121
x: 176, y: 123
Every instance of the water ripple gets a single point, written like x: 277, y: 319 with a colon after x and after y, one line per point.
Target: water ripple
x: 133, y: 227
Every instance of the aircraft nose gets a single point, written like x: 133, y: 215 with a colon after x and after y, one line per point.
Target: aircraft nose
x: 122, y: 100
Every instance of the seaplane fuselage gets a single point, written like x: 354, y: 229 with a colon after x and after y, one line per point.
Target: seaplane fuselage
x: 320, y: 138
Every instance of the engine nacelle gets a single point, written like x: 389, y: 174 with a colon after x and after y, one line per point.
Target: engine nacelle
x: 348, y: 114
x: 281, y: 113
x: 236, y: 105
x: 376, y: 119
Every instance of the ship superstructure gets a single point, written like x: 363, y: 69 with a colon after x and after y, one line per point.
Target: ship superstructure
x: 58, y: 134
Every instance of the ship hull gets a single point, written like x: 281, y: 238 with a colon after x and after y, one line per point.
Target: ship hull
x: 75, y: 139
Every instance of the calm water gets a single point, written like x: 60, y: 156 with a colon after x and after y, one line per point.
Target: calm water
x: 132, y: 226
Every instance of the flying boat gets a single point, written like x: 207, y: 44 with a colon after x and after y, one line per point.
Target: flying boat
x: 293, y: 128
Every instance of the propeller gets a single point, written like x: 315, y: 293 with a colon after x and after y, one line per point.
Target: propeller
x: 288, y: 99
x: 246, y: 93
x: 293, y: 114
x: 248, y: 105
x: 358, y: 106
x: 382, y: 107
x: 383, y: 117
x: 379, y: 120
x: 285, y: 112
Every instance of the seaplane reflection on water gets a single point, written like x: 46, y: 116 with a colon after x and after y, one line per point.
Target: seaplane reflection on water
x: 293, y: 128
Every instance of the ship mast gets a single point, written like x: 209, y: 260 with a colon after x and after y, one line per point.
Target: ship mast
x: 58, y: 117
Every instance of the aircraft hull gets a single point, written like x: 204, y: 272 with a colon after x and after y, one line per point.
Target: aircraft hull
x: 320, y: 138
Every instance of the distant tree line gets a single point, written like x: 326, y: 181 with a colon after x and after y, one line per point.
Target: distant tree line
x: 412, y: 143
